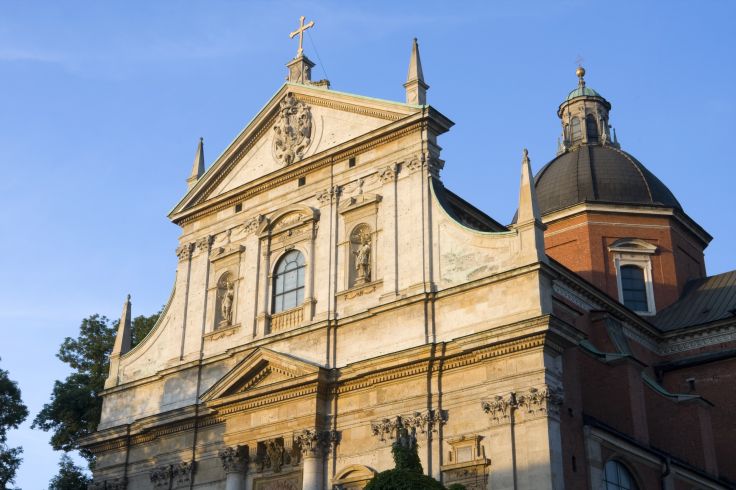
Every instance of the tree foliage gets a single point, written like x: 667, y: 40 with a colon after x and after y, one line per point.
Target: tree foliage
x: 12, y: 413
x: 75, y: 406
x: 70, y: 476
x: 407, y: 474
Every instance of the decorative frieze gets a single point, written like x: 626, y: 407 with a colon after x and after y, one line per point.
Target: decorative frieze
x: 181, y: 473
x: 388, y: 174
x: 532, y: 402
x: 314, y: 442
x: 329, y: 195
x: 161, y: 476
x: 415, y: 423
x: 203, y: 244
x: 234, y: 459
x: 274, y: 454
x: 253, y: 224
x: 184, y: 252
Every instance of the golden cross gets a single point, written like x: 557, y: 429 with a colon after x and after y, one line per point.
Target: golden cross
x: 300, y: 32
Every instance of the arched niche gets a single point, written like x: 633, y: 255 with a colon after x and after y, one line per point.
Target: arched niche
x: 353, y: 477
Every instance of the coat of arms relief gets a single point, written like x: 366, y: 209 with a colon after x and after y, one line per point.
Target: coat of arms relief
x: 292, y: 131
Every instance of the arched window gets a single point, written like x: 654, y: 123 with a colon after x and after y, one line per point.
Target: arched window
x: 634, y: 288
x: 576, y: 130
x: 591, y: 129
x: 617, y: 477
x: 288, y: 282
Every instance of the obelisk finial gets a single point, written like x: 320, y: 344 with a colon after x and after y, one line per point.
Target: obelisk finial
x: 198, y: 165
x: 416, y: 89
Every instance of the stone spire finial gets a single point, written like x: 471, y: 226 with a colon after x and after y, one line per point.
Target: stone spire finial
x: 529, y: 220
x: 416, y: 89
x: 528, y: 207
x: 198, y: 166
x: 123, y: 339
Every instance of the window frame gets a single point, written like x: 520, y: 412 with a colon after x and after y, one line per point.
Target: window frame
x: 637, y: 253
x: 276, y: 275
x: 619, y: 466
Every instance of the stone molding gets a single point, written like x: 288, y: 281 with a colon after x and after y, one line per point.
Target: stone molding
x: 696, y: 340
x: 161, y: 476
x: 172, y: 475
x: 415, y: 423
x: 181, y: 473
x: 313, y: 442
x: 184, y: 252
x: 234, y: 459
x: 253, y: 224
x: 534, y: 402
x: 329, y: 195
x: 389, y: 173
x: 226, y: 251
x: 203, y: 244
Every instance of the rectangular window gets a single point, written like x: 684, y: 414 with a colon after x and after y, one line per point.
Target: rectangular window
x: 351, y: 162
x: 302, y: 181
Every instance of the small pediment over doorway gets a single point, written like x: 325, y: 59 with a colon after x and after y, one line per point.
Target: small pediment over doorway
x: 261, y: 372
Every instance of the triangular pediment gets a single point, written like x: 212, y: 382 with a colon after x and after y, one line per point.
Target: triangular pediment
x: 259, y: 371
x: 298, y: 122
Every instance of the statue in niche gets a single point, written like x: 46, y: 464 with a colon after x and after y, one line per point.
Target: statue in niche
x: 363, y: 258
x: 225, y: 299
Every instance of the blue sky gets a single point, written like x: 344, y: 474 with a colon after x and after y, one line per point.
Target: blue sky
x: 102, y: 104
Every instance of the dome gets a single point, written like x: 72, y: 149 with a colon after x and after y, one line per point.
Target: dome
x: 594, y: 173
x: 583, y: 92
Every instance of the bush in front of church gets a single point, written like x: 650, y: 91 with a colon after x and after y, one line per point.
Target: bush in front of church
x: 408, y: 473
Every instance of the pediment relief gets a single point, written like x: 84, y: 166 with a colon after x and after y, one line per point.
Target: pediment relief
x: 289, y: 218
x: 296, y: 123
x: 259, y: 370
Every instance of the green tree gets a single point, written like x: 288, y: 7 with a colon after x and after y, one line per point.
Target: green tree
x: 70, y: 477
x: 408, y: 473
x: 12, y: 413
x: 75, y: 406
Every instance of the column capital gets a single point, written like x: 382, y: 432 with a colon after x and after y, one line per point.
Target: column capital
x: 234, y: 459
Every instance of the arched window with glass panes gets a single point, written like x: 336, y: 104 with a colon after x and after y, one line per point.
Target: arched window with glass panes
x: 617, y: 477
x: 288, y: 282
x: 576, y: 130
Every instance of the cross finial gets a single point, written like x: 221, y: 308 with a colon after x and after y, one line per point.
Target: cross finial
x: 300, y: 32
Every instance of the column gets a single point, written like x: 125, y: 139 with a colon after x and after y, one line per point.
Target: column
x: 312, y: 444
x: 234, y: 462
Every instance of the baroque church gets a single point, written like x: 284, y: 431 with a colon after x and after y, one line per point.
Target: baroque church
x: 331, y: 294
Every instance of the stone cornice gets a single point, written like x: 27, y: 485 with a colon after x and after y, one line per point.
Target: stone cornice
x: 686, y: 221
x: 417, y: 361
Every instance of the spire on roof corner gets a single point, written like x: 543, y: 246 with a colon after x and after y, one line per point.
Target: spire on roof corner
x: 416, y: 88
x: 123, y: 339
x: 529, y: 220
x: 528, y: 207
x: 198, y: 166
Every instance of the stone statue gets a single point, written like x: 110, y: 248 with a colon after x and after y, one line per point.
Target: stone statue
x: 227, y: 304
x: 363, y: 260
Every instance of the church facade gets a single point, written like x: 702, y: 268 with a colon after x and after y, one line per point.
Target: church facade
x: 331, y: 294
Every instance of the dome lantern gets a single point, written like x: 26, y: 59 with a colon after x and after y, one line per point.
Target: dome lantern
x: 584, y: 117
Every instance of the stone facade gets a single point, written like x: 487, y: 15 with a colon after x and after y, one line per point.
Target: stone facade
x: 416, y: 312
